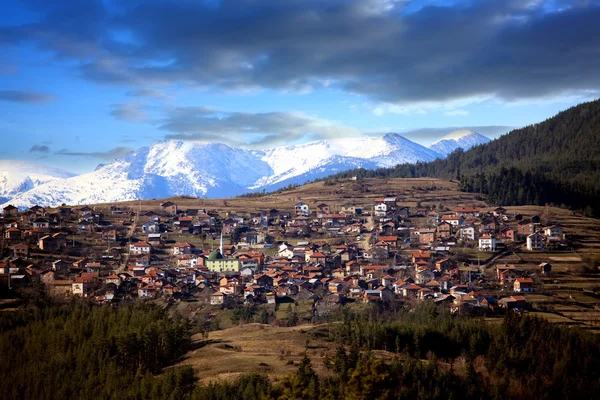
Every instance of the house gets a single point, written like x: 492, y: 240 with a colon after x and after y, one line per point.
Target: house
x: 535, y: 241
x: 423, y: 276
x: 47, y: 243
x: 546, y: 268
x: 487, y: 243
x: 302, y: 209
x: 109, y: 235
x: 322, y: 209
x: 60, y: 287
x: 467, y: 211
x: 411, y: 290
x: 454, y: 220
x: 41, y: 223
x: 179, y: 249
x: 444, y: 229
x: 114, y: 279
x: 349, y: 208
x: 218, y: 298
x: 286, y: 250
x: 426, y: 236
x: 85, y: 210
x: 140, y: 248
x: 12, y: 234
x: 467, y: 233
x: 379, y: 294
x: 507, y: 276
x: 391, y: 241
x: 523, y: 285
x: 169, y: 208
x: 499, y: 211
x: 381, y: 209
x: 507, y: 234
x: 403, y: 212
x: 151, y: 227
x: 60, y: 238
x: 155, y: 239
x: 20, y: 251
x: 433, y: 218
x: 513, y: 303
x: 84, y: 285
x: 526, y: 227
x: 10, y: 211
x: 553, y: 232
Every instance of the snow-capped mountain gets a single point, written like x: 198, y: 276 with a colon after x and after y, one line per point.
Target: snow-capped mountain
x: 20, y: 176
x: 171, y: 168
x: 461, y: 138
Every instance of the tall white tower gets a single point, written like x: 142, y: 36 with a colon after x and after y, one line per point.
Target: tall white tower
x: 221, y: 244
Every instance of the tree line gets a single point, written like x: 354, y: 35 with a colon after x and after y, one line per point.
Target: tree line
x: 82, y: 351
x: 556, y: 161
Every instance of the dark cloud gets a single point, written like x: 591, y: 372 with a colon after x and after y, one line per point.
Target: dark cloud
x: 39, y: 149
x: 390, y: 51
x: 129, y: 112
x: 249, y: 129
x: 105, y: 155
x: 26, y: 97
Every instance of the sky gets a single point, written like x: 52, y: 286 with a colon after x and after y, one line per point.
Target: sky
x: 84, y: 82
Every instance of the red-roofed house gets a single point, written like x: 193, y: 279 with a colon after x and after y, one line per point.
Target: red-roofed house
x: 523, y: 285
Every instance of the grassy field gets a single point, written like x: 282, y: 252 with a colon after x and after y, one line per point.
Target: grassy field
x: 362, y: 192
x: 258, y: 348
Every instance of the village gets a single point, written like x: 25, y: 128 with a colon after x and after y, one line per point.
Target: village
x: 464, y: 258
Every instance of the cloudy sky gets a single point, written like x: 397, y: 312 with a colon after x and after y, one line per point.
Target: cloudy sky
x: 82, y: 82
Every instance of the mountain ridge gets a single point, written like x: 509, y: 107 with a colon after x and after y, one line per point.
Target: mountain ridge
x: 174, y: 167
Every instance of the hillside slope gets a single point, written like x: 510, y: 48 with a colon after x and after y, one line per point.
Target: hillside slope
x: 555, y: 161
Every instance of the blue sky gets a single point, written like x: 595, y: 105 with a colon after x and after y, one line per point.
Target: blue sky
x: 84, y: 82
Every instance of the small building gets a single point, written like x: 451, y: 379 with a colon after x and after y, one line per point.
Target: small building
x: 545, y: 269
x: 302, y: 209
x: 487, y: 243
x: 140, y: 248
x: 181, y: 249
x: 523, y: 285
x: 218, y: 298
x: 20, y: 250
x: 10, y: 211
x: 169, y: 208
x: 535, y: 242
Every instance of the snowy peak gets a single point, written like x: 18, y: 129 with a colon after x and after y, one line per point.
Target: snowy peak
x: 20, y: 176
x: 185, y: 168
x: 460, y: 138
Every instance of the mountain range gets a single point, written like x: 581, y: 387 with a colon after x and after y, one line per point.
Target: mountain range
x: 170, y: 168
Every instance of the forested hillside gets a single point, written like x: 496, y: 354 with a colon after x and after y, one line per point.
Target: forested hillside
x: 556, y: 161
x: 84, y: 352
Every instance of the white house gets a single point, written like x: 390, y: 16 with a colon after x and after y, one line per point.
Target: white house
x: 553, y: 232
x: 535, y: 241
x: 487, y: 243
x: 140, y: 248
x: 467, y: 233
x: 380, y: 209
x: 302, y: 209
x: 454, y: 220
x: 286, y: 250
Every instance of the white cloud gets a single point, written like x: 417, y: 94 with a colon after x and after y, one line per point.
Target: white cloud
x: 456, y: 113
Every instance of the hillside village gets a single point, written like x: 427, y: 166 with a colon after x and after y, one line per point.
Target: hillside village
x: 329, y: 254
